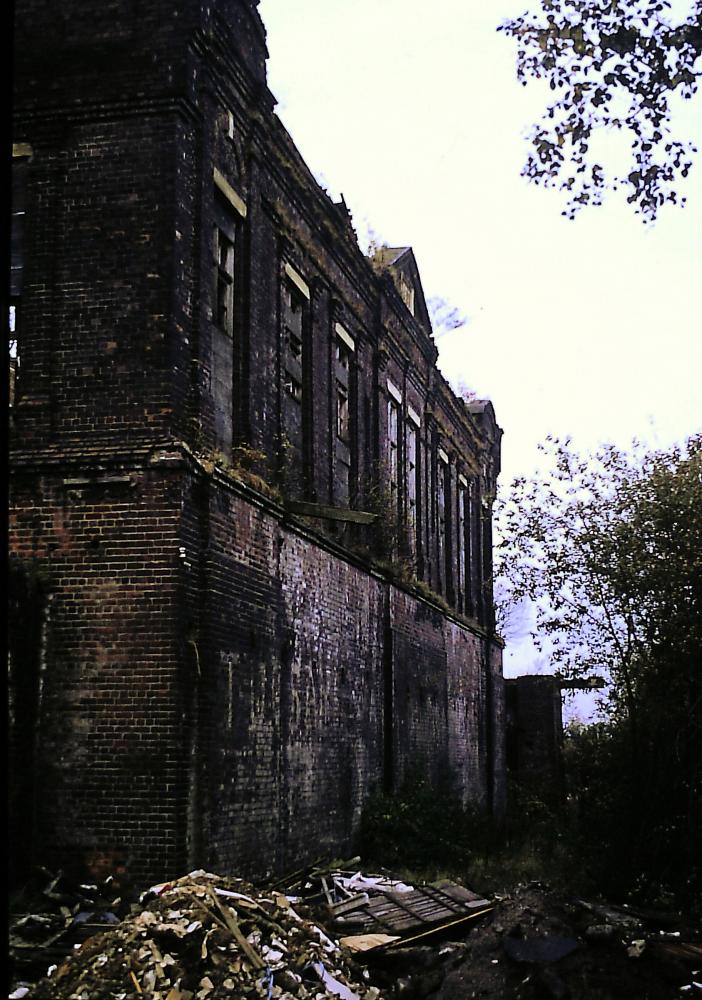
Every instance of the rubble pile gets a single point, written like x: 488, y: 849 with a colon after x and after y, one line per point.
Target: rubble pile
x: 202, y: 937
x: 54, y: 914
x: 205, y: 937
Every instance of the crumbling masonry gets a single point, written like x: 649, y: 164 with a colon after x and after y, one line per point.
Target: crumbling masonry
x: 250, y: 548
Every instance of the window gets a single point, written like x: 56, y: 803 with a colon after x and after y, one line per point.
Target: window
x: 294, y: 305
x: 393, y: 454
x: 406, y: 292
x: 344, y: 347
x: 412, y: 473
x: 20, y: 164
x: 462, y: 566
x: 14, y: 357
x: 476, y: 549
x: 224, y: 296
x: 292, y: 387
x: 342, y: 412
x: 343, y: 350
x: 394, y: 480
x: 442, y: 473
x: 294, y: 401
x: 225, y: 319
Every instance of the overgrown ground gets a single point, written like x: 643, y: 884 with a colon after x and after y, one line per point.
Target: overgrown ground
x: 560, y: 926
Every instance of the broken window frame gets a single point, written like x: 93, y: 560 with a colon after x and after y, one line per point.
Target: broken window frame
x: 226, y: 315
x: 413, y: 485
x: 393, y: 454
x: 476, y: 549
x: 462, y: 576
x: 442, y: 519
x: 343, y: 364
x: 293, y: 303
x: 225, y: 255
x: 13, y: 348
x: 292, y: 387
x: 294, y: 382
x: 343, y: 415
x: 343, y: 429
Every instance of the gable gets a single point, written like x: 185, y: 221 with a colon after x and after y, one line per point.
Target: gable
x: 401, y: 264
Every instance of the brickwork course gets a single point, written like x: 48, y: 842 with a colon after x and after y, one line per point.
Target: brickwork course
x: 215, y: 657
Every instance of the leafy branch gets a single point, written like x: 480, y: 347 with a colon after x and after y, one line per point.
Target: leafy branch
x: 616, y: 66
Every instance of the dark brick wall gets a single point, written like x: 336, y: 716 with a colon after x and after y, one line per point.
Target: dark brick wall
x: 320, y: 683
x: 109, y: 768
x: 214, y: 680
x: 447, y: 710
x: 217, y: 683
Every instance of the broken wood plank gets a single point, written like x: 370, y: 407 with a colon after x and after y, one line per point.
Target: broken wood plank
x: 330, y: 513
x: 438, y: 928
x: 349, y: 905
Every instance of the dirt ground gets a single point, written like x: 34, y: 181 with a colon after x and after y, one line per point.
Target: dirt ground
x: 540, y: 944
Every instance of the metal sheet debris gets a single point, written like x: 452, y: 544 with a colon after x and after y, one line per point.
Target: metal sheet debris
x: 541, y: 948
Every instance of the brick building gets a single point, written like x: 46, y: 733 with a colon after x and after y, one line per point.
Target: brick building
x: 250, y: 550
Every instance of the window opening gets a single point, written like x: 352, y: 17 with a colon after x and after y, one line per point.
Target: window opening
x: 412, y: 486
x: 342, y: 412
x: 406, y: 292
x: 293, y: 387
x: 17, y: 248
x: 441, y: 526
x: 393, y: 454
x: 461, y: 548
x: 293, y: 328
x: 344, y: 387
x: 224, y: 310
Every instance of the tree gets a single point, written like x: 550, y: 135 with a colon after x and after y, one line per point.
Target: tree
x: 609, y: 550
x: 615, y: 65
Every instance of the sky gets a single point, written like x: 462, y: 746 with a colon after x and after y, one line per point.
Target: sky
x: 413, y: 112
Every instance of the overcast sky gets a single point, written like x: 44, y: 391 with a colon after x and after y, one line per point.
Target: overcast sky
x: 413, y: 111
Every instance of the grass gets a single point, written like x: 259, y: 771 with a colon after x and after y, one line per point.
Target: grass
x: 423, y: 833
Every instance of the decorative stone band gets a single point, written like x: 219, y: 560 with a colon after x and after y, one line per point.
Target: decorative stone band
x: 344, y: 336
x: 297, y: 280
x: 394, y: 392
x: 414, y: 416
x: 235, y: 200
